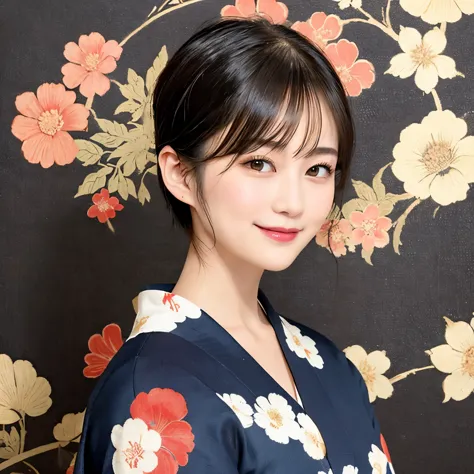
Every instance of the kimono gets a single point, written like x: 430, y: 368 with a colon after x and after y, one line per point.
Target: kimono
x: 183, y: 396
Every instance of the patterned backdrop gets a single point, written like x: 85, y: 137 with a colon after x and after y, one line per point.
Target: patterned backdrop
x: 84, y: 225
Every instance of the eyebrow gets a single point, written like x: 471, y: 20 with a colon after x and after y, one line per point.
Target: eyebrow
x: 320, y: 150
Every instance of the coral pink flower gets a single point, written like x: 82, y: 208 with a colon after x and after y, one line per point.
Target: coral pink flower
x: 102, y: 349
x: 320, y: 28
x: 355, y: 74
x: 335, y: 235
x: 90, y: 60
x: 46, y: 118
x: 276, y: 11
x: 370, y: 229
x: 104, y: 206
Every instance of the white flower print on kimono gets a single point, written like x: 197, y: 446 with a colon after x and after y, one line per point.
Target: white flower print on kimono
x: 161, y: 311
x: 345, y: 470
x: 302, y: 346
x: 311, y: 437
x: 240, y: 407
x: 135, y: 447
x: 378, y: 460
x: 277, y: 418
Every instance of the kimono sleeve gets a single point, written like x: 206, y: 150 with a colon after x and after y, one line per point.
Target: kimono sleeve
x: 158, y: 418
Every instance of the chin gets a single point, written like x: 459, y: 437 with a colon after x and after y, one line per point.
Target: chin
x: 276, y: 263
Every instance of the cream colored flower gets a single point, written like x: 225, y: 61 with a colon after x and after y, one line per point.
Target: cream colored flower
x: 457, y: 359
x: 422, y: 55
x: 277, y: 418
x: 10, y: 443
x: 435, y: 158
x: 343, y: 4
x: 372, y: 366
x: 437, y: 11
x: 302, y: 346
x: 240, y: 407
x: 311, y: 437
x: 70, y: 428
x: 378, y: 460
x: 21, y: 391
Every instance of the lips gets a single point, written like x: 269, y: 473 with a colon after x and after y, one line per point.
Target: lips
x: 281, y: 230
x: 280, y: 234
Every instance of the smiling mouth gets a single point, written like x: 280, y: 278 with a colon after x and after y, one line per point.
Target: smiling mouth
x: 280, y: 234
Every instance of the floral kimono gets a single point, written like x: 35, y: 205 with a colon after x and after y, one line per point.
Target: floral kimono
x: 183, y: 396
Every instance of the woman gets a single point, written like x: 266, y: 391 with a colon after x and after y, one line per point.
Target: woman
x: 254, y: 139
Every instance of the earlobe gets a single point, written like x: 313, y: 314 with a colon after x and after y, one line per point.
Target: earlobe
x: 174, y: 175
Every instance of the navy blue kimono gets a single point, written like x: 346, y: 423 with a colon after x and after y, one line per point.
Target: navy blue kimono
x: 183, y: 396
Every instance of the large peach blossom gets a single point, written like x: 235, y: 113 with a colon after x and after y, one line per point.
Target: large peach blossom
x: 356, y: 74
x: 46, y: 118
x: 370, y: 229
x: 320, y: 28
x: 90, y: 60
x: 335, y: 235
x: 270, y: 9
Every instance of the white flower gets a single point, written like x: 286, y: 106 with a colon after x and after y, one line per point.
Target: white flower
x: 311, y: 437
x: 378, y: 460
x: 422, y: 55
x: 457, y: 359
x: 343, y: 4
x: 437, y: 11
x: 435, y: 158
x: 135, y: 446
x: 276, y: 417
x: 302, y: 346
x: 372, y: 366
x: 161, y: 311
x: 21, y: 391
x: 350, y: 470
x: 240, y: 407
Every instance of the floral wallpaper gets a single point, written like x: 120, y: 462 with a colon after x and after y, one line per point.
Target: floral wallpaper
x: 81, y: 231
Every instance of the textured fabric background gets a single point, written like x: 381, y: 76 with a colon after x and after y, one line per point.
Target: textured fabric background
x: 68, y: 279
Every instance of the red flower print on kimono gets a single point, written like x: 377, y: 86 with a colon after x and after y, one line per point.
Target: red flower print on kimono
x: 156, y: 439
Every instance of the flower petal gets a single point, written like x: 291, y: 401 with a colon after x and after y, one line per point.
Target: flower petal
x: 317, y: 20
x: 465, y: 158
x: 230, y: 10
x: 357, y: 236
x: 371, y: 212
x: 28, y: 105
x: 409, y: 39
x: 363, y: 71
x: 382, y: 387
x: 426, y: 78
x: 445, y: 358
x: 277, y: 11
x: 459, y: 335
x: 332, y: 27
x: 24, y: 127
x: 94, y: 83
x: 37, y: 149
x: 356, y: 354
x: 445, y: 66
x: 246, y: 7
x: 73, y: 53
x: 55, y: 96
x: 379, y: 361
x: 435, y: 40
x: 383, y: 223
x: 449, y: 188
x: 457, y: 386
x: 446, y: 125
x: 107, y: 65
x: 304, y: 28
x: 75, y: 117
x: 348, y: 52
x: 91, y: 44
x: 401, y: 65
x: 73, y: 75
x: 112, y: 48
x: 368, y: 243
x: 64, y: 148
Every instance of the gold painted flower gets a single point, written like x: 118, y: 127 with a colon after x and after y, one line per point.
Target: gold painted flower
x: 456, y: 358
x: 70, y: 428
x: 435, y: 159
x: 21, y: 391
x: 372, y: 367
x: 437, y: 11
x: 423, y: 56
x: 10, y: 443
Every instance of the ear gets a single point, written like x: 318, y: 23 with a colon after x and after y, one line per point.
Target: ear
x: 174, y: 176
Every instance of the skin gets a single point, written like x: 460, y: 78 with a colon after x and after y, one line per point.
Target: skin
x: 278, y: 190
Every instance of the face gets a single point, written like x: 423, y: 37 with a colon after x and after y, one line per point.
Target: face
x: 269, y: 204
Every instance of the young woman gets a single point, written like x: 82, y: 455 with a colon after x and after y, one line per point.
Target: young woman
x: 254, y: 139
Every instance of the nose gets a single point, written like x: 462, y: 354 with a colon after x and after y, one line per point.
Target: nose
x: 289, y: 197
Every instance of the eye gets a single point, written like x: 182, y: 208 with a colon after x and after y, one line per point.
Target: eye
x: 262, y: 166
x: 320, y: 171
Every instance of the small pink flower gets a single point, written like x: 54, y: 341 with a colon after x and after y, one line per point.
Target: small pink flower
x: 370, y: 229
x: 270, y: 9
x: 335, y: 235
x: 320, y: 28
x: 90, y: 60
x: 355, y: 74
x: 46, y: 118
x: 104, y: 206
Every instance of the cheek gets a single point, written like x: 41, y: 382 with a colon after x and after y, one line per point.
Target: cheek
x: 323, y: 200
x: 238, y: 196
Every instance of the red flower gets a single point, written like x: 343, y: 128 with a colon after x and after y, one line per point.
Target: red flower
x: 320, y: 28
x: 103, y: 348
x: 270, y: 9
x: 370, y: 229
x: 163, y: 410
x: 104, y: 206
x: 355, y: 74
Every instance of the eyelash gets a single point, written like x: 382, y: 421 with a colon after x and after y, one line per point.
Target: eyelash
x: 326, y: 166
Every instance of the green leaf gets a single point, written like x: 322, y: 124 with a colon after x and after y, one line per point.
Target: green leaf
x: 367, y: 255
x: 89, y: 153
x: 353, y: 205
x: 377, y: 184
x: 143, y: 194
x: 94, y: 181
x: 154, y: 71
x: 364, y: 191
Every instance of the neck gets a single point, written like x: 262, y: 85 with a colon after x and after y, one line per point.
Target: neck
x: 224, y: 287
